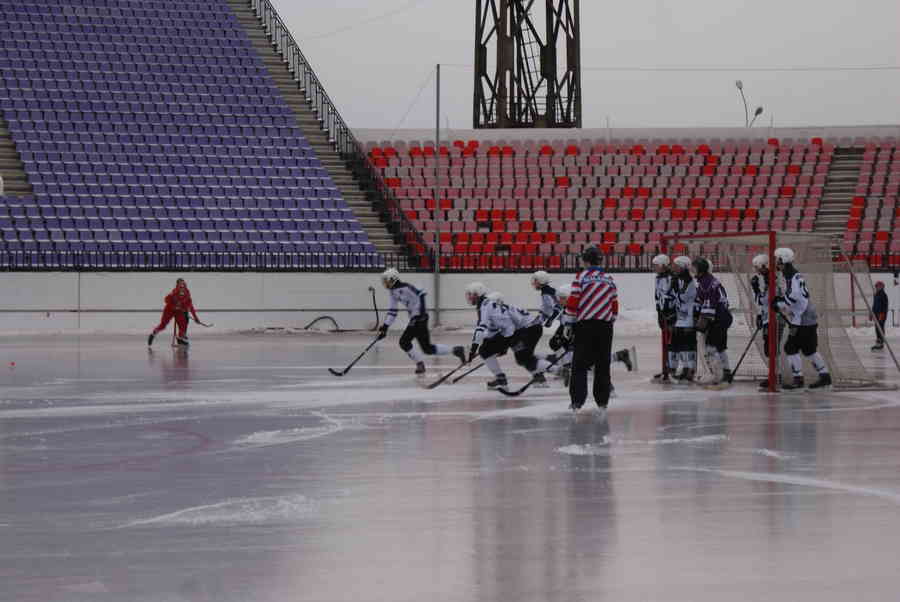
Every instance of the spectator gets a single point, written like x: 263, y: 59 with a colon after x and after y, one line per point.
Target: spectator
x: 880, y: 311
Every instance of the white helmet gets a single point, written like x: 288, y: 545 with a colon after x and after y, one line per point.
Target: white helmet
x: 475, y: 291
x: 541, y: 277
x: 661, y: 260
x: 563, y: 292
x: 683, y: 261
x: 496, y: 296
x: 390, y: 277
x: 761, y: 261
x: 785, y: 255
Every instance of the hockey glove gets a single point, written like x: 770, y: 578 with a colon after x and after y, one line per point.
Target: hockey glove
x: 473, y: 351
x: 754, y: 284
x: 568, y: 334
x: 759, y: 323
x: 777, y: 301
x: 557, y: 341
x: 382, y: 331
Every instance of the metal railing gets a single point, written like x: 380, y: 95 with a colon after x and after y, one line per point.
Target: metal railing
x: 340, y: 134
x: 51, y: 260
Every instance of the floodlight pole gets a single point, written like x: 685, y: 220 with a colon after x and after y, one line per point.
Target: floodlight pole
x: 437, y: 195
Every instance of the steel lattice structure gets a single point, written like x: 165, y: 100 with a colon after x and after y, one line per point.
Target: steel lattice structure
x: 527, y: 73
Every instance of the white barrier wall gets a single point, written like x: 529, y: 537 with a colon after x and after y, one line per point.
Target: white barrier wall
x: 132, y: 302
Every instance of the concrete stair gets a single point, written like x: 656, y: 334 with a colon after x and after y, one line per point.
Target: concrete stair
x: 354, y: 194
x: 837, y: 197
x: 12, y: 170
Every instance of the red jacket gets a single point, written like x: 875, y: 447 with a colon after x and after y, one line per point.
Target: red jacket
x: 177, y: 301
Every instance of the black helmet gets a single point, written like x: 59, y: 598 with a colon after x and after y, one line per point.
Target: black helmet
x: 701, y: 264
x: 591, y: 255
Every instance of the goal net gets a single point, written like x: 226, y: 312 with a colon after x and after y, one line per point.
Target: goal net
x: 830, y: 288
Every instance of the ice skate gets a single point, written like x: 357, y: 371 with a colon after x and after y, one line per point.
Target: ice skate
x: 540, y: 380
x: 727, y: 376
x: 499, y: 381
x: 460, y: 352
x: 824, y: 382
x: 624, y: 356
x: 150, y: 339
x: 420, y: 368
x: 794, y: 386
x: 183, y: 342
x: 877, y: 346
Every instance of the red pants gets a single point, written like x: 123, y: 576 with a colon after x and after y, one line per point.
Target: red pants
x: 181, y: 321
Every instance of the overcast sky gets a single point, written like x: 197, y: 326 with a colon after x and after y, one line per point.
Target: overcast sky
x: 374, y: 67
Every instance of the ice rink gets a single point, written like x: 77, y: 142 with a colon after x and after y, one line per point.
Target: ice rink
x: 243, y: 471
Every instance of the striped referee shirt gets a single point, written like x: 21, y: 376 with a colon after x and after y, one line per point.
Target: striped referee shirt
x: 594, y: 297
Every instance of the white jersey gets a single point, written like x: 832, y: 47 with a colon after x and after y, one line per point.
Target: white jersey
x: 797, y: 306
x: 759, y: 285
x: 550, y: 307
x: 411, y: 297
x: 495, y: 318
x: 661, y: 294
x: 682, y: 298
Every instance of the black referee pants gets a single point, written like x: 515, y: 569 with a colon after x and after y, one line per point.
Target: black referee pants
x: 593, y: 344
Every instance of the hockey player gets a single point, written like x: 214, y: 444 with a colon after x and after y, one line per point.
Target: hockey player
x: 501, y: 327
x: 714, y: 320
x: 178, y: 305
x: 680, y: 314
x: 802, y: 321
x: 759, y: 285
x: 593, y: 307
x: 417, y: 329
x: 550, y: 307
x: 661, y: 263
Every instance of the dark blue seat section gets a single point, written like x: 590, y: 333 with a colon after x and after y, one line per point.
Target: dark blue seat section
x: 148, y: 127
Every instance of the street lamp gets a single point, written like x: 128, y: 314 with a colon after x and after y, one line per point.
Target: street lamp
x: 759, y: 110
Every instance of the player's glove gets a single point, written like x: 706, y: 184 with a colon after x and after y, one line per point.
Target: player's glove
x: 777, y: 301
x: 759, y: 323
x: 382, y: 331
x: 557, y: 341
x: 473, y: 351
x: 754, y: 284
x: 568, y: 334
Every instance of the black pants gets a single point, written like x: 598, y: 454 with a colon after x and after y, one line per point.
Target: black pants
x: 684, y: 339
x: 802, y: 339
x: 593, y: 344
x: 524, y: 342
x: 495, y: 345
x: 879, y: 334
x: 417, y: 330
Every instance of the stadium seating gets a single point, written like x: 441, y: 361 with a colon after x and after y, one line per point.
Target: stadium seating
x: 505, y: 203
x: 155, y: 127
x: 873, y: 230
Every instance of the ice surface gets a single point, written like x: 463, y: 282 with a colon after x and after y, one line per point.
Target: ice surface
x: 242, y: 470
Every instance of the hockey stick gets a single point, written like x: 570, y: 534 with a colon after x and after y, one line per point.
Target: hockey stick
x: 210, y: 325
x: 375, y: 305
x: 466, y: 373
x: 533, y: 380
x: 443, y: 379
x: 358, y: 357
x: 746, y: 349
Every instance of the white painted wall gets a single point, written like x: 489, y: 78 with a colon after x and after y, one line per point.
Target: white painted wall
x: 132, y: 302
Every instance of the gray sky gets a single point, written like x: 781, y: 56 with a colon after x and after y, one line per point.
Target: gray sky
x: 373, y: 70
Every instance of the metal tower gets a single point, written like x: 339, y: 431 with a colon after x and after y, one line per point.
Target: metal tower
x: 532, y: 76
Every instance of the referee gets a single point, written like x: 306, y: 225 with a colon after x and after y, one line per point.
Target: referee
x: 593, y: 306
